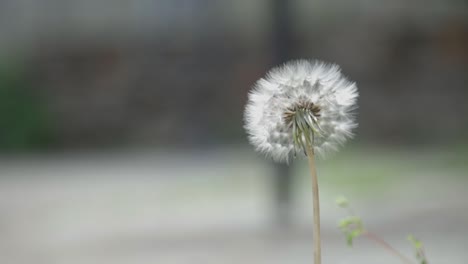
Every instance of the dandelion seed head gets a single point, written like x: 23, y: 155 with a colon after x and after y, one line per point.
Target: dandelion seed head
x: 301, y: 102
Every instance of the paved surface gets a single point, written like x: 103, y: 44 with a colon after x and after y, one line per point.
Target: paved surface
x: 208, y: 207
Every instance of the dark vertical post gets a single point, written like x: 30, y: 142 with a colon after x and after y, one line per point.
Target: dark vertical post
x: 281, y: 31
x: 281, y: 47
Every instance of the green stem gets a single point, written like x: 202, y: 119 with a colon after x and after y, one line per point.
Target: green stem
x: 316, y: 205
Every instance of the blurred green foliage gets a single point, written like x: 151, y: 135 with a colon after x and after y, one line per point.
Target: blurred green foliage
x: 24, y: 119
x: 351, y: 226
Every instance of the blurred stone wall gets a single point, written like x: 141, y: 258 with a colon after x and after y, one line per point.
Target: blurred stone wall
x: 179, y: 72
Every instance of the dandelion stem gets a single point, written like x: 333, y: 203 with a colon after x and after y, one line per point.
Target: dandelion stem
x: 316, y: 205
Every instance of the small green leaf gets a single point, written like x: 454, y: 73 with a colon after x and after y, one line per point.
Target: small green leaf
x: 356, y: 233
x: 416, y: 243
x: 342, y: 202
x: 418, y: 246
x: 344, y: 223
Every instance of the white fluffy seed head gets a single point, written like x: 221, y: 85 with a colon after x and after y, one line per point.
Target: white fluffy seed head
x: 324, y: 100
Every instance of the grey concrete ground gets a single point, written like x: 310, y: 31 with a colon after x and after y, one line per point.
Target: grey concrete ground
x: 215, y: 207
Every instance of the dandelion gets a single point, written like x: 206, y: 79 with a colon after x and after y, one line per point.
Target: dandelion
x: 301, y: 109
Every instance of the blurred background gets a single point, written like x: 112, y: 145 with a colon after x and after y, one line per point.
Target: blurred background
x: 122, y: 141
